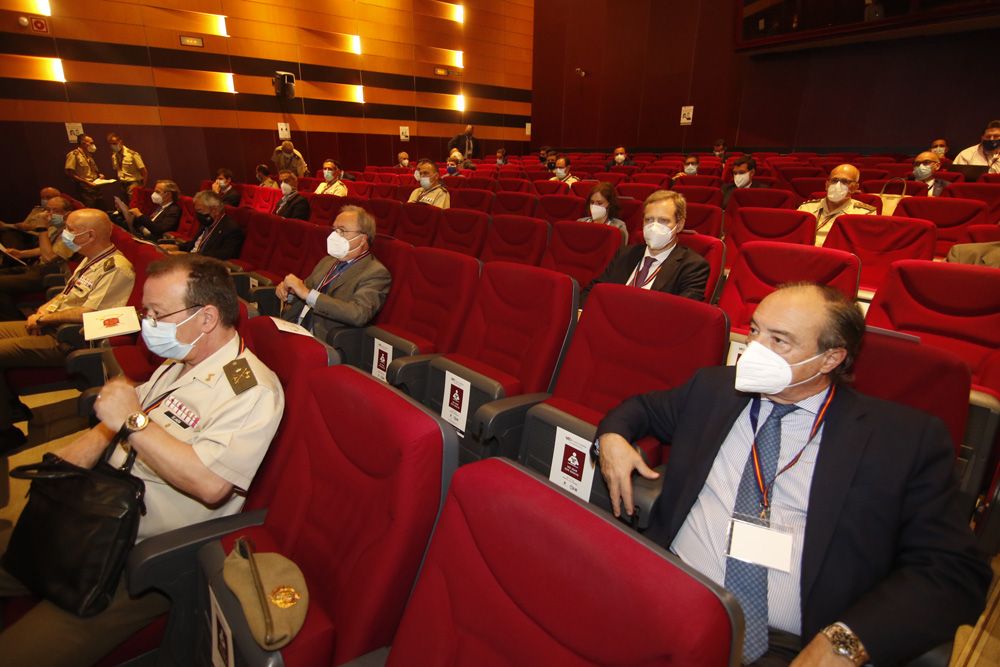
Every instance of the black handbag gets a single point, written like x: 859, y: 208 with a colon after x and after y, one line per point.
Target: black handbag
x: 71, y: 541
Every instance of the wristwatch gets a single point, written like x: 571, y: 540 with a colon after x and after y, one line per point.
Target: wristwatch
x: 846, y: 643
x: 134, y: 423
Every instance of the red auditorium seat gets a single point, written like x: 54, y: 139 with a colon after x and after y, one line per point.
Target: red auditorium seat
x: 560, y: 207
x: 714, y: 252
x: 661, y: 181
x: 952, y: 216
x: 365, y: 446
x: 188, y: 226
x: 988, y: 193
x: 384, y: 190
x: 309, y: 184
x: 261, y: 237
x: 699, y: 194
x: 462, y: 230
x: 622, y: 169
x: 141, y: 199
x: 358, y: 188
x: 872, y: 174
x: 951, y: 176
x: 581, y: 249
x: 807, y: 186
x: 704, y: 219
x: 386, y: 213
x: 672, y: 336
x: 425, y: 312
x: 750, y: 223
x: 610, y: 177
x: 514, y: 185
x: 514, y: 336
x: 987, y: 178
x: 453, y: 182
x: 761, y: 198
x: 583, y: 188
x: 630, y: 212
x: 481, y: 183
x: 764, y: 265
x: 636, y: 190
x: 952, y: 306
x: 896, y: 169
x: 480, y: 599
x: 894, y: 187
x: 879, y: 240
x: 870, y: 199
x: 404, y: 191
x: 515, y: 238
x: 469, y: 198
x: 514, y: 203
x: 297, y: 248
x: 266, y: 199
x: 549, y: 187
x: 418, y: 223
x: 324, y: 209
x: 984, y: 233
x: 392, y: 253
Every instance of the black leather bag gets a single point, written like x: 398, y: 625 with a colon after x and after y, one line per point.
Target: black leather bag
x: 72, y: 540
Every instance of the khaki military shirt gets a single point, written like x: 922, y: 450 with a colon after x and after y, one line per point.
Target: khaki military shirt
x: 102, y: 282
x: 436, y: 196
x: 294, y: 163
x: 82, y: 164
x: 227, y: 408
x: 569, y: 180
x: 825, y: 217
x: 128, y: 163
x: 333, y: 188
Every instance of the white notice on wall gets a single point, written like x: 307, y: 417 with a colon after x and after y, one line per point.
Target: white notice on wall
x: 572, y: 466
x: 687, y: 115
x: 404, y: 133
x: 527, y: 129
x: 284, y: 131
x: 381, y: 359
x: 73, y: 130
x: 455, y: 402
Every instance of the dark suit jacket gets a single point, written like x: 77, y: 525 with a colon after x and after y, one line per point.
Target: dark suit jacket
x: 611, y: 163
x: 727, y: 190
x: 296, y: 207
x: 167, y: 221
x: 887, y: 549
x: 939, y: 185
x: 231, y: 198
x: 225, y: 242
x: 351, y: 300
x: 684, y: 272
x: 458, y: 141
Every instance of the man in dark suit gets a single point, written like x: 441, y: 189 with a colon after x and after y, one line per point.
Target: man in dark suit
x: 925, y: 168
x: 744, y: 169
x: 165, y: 218
x: 220, y: 237
x: 465, y: 143
x: 863, y: 549
x: 223, y: 186
x: 619, y: 158
x: 347, y: 288
x: 292, y: 204
x: 661, y: 264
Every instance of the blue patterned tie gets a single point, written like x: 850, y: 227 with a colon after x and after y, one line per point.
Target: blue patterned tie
x: 746, y: 581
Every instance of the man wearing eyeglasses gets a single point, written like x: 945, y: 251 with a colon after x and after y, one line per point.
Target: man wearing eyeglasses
x: 840, y: 186
x: 347, y: 287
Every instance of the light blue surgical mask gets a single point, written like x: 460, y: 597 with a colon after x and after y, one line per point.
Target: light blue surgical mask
x: 57, y: 219
x: 161, y: 338
x: 425, y: 182
x: 69, y: 240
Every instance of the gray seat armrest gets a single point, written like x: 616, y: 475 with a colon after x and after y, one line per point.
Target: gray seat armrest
x: 376, y: 658
x: 409, y: 374
x: 71, y: 334
x: 266, y: 298
x: 401, y: 347
x: 939, y: 656
x: 88, y: 364
x: 85, y: 404
x: 241, y: 280
x: 349, y: 342
x: 644, y: 495
x: 498, y: 425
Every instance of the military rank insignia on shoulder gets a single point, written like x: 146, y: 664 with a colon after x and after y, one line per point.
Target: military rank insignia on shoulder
x: 864, y: 205
x: 240, y: 375
x: 109, y: 264
x: 812, y: 201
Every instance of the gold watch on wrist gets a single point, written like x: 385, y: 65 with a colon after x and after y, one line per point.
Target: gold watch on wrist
x: 134, y: 423
x: 846, y: 643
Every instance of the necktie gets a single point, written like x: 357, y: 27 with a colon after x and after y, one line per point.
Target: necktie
x: 746, y: 581
x: 643, y: 273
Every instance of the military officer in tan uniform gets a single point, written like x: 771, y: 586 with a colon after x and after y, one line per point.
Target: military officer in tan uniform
x: 128, y: 165
x: 431, y: 191
x: 842, y: 183
x: 332, y: 185
x: 80, y: 166
x: 104, y: 279
x: 562, y: 171
x: 287, y: 158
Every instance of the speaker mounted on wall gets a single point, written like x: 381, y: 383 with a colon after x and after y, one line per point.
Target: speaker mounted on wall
x: 284, y: 85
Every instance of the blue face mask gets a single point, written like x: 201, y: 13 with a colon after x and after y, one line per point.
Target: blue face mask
x: 69, y: 240
x: 162, y: 338
x: 57, y: 219
x: 452, y: 169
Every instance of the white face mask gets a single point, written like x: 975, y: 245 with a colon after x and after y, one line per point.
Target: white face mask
x: 560, y: 173
x: 328, y: 174
x: 619, y: 158
x: 690, y: 169
x: 499, y: 161
x: 761, y: 370
x: 337, y: 246
x: 221, y: 182
x: 156, y: 198
x: 405, y: 162
x: 425, y: 182
x: 598, y: 212
x: 162, y: 339
x: 939, y: 150
x: 837, y: 192
x: 741, y: 180
x: 91, y: 148
x: 286, y: 188
x: 657, y: 235
x: 922, y: 172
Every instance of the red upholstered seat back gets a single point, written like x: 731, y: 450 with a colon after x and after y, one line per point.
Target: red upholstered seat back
x: 471, y: 198
x: 352, y: 486
x: 805, y: 186
x: 323, y: 209
x: 750, y: 223
x: 188, y: 227
x: 288, y: 355
x: 636, y: 190
x: 988, y: 193
x: 714, y: 252
x: 418, y: 223
x: 763, y: 265
x: 514, y: 185
x: 514, y: 583
x: 895, y: 187
x: 704, y: 219
x: 358, y: 188
x: 762, y: 198
x: 481, y: 183
x: 952, y: 217
x: 697, y: 179
x: 248, y: 195
x: 392, y: 253
x: 613, y: 178
x: 262, y: 234
x: 519, y: 321
x: 629, y: 341
x: 545, y: 186
x: 951, y: 306
x: 289, y: 251
x: 514, y: 203
x: 515, y: 238
x: 659, y: 180
x: 984, y: 233
x: 561, y: 207
x: 929, y: 379
x: 880, y: 240
x: 386, y: 213
x: 700, y: 194
x: 266, y: 199
x: 462, y: 230
x: 630, y: 212
x: 581, y: 249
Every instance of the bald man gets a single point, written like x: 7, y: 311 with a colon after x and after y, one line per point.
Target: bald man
x: 925, y: 167
x: 465, y: 143
x: 840, y: 186
x: 104, y: 279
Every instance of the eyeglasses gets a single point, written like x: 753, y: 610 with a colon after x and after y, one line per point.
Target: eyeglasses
x: 842, y: 181
x: 341, y: 231
x: 146, y: 315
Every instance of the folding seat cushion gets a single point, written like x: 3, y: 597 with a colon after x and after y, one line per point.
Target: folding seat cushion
x: 879, y: 240
x: 714, y: 252
x: 479, y: 598
x: 750, y: 223
x: 560, y: 207
x: 762, y: 198
x: 549, y: 187
x: 704, y: 219
x: 515, y: 238
x: 636, y: 190
x: 462, y: 230
x: 287, y: 256
x: 894, y: 187
x: 470, y: 198
x: 988, y: 193
x: 807, y: 186
x: 790, y: 172
x: 514, y: 203
x: 581, y: 249
x: 418, y: 224
x: 764, y: 265
x: 514, y: 184
x: 386, y: 213
x: 700, y: 194
x: 952, y: 217
x: 323, y: 209
x: 952, y: 306
x: 614, y: 178
x: 358, y: 188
